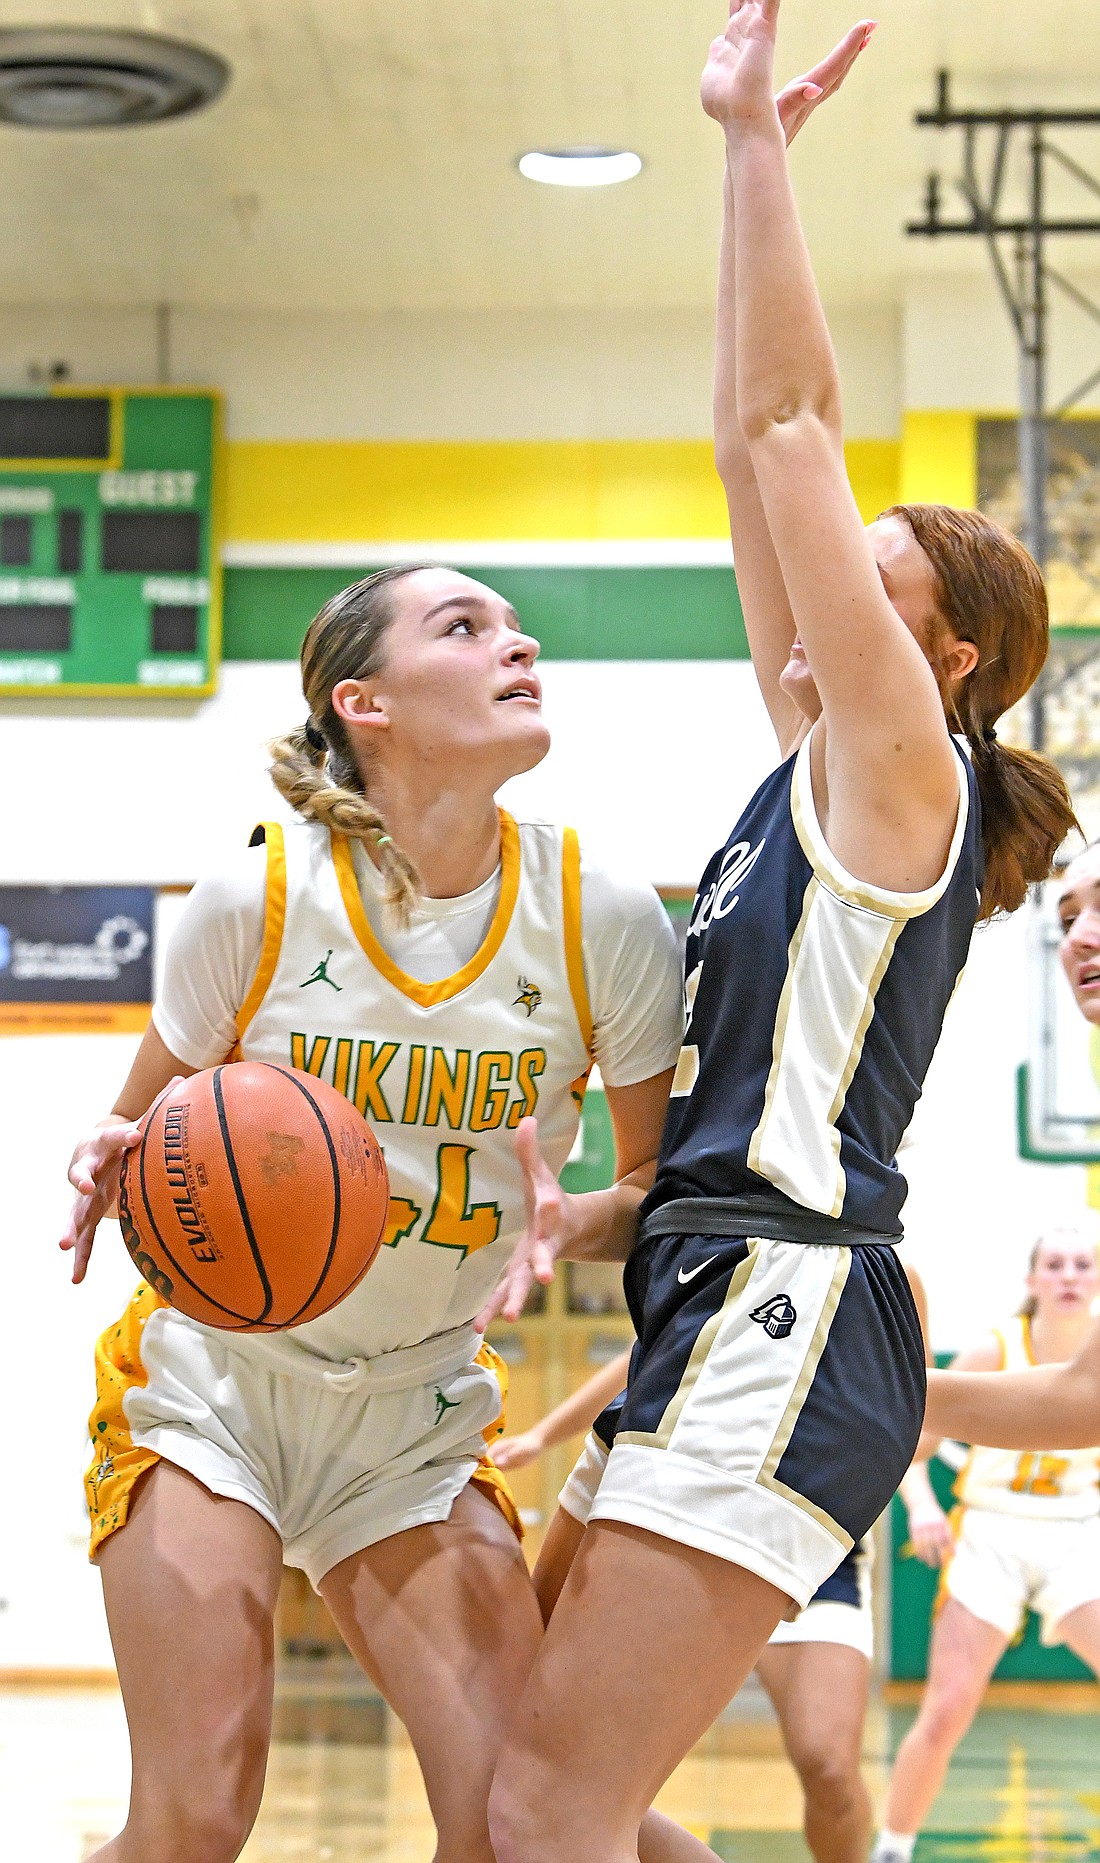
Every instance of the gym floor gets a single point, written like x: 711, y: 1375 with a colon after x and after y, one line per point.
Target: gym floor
x: 343, y: 1783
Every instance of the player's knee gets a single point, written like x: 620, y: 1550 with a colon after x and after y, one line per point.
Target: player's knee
x: 947, y: 1713
x: 831, y: 1781
x: 206, y: 1827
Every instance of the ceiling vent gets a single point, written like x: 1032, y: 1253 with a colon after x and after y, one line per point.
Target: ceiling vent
x: 69, y: 78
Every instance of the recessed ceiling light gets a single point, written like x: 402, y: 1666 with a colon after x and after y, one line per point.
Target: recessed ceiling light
x: 580, y: 168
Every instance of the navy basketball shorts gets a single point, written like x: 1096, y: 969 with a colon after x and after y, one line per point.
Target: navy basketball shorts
x: 775, y: 1399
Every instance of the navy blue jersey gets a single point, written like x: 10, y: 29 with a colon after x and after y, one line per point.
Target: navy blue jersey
x: 815, y: 1005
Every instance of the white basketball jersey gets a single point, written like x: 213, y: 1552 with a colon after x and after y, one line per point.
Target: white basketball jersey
x: 1056, y: 1484
x: 443, y: 1072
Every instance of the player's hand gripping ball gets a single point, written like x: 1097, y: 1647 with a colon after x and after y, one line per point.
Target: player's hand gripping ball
x: 257, y: 1198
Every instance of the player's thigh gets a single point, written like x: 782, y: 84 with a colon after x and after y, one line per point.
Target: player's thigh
x: 556, y: 1556
x: 650, y: 1638
x: 962, y: 1655
x: 190, y: 1584
x: 444, y: 1620
x: 819, y: 1691
x: 1080, y: 1629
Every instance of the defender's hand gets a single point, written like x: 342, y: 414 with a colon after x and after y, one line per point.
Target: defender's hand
x: 798, y: 100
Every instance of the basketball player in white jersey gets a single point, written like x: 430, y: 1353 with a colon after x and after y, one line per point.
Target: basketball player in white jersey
x: 454, y: 972
x: 777, y: 1391
x: 1026, y: 1534
x: 1059, y: 1403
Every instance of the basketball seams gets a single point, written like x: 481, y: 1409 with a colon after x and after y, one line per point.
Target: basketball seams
x: 168, y: 1255
x: 337, y: 1200
x: 230, y: 1158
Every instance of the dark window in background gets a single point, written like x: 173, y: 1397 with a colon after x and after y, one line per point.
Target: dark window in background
x: 55, y: 427
x: 15, y: 542
x: 70, y: 542
x: 152, y: 542
x: 175, y: 630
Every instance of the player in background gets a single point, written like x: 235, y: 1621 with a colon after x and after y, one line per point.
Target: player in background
x: 451, y: 970
x: 1057, y: 1403
x: 777, y: 1392
x: 816, y: 1668
x: 1026, y: 1535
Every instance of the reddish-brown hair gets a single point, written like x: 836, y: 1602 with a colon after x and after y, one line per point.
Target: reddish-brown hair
x: 989, y: 591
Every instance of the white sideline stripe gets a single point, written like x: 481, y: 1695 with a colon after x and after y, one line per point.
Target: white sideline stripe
x: 625, y: 553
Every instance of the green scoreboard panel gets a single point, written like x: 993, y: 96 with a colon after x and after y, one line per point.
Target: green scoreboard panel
x: 110, y: 583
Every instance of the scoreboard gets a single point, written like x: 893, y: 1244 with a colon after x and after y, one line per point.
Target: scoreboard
x: 110, y: 582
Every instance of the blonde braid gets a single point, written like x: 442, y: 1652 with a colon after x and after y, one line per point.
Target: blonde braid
x: 313, y: 767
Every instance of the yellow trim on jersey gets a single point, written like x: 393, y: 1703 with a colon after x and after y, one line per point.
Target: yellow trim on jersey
x: 117, y: 1463
x: 574, y: 948
x: 274, y: 920
x: 428, y: 994
x: 1029, y: 1344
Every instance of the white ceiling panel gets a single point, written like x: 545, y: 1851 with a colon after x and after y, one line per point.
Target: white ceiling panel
x: 364, y: 152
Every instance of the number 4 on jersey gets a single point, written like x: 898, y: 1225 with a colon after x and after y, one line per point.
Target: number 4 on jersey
x: 454, y: 1221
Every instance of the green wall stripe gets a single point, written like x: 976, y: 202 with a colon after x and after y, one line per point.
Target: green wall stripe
x: 576, y: 613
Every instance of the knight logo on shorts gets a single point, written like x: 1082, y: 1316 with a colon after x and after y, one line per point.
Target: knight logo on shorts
x: 777, y: 1316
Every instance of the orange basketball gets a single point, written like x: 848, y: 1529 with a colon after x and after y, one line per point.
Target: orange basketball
x: 257, y: 1198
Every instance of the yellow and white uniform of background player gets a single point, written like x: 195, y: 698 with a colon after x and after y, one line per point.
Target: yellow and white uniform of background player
x: 487, y: 1008
x: 1028, y: 1526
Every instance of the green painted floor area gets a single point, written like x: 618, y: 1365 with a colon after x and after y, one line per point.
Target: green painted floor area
x: 1024, y: 1787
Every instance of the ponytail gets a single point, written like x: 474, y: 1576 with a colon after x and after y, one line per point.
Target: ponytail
x: 314, y: 767
x: 989, y: 591
x: 298, y: 773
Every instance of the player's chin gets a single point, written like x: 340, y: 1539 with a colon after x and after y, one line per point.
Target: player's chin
x: 522, y: 727
x: 1087, y: 998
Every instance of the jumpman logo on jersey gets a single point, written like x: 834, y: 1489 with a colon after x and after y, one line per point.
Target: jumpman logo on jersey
x: 442, y: 1405
x: 529, y: 998
x: 321, y: 975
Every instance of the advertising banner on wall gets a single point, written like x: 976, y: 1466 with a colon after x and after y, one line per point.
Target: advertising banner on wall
x: 75, y: 960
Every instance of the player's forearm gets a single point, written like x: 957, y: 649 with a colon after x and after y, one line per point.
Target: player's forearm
x: 604, y: 1224
x: 579, y: 1412
x: 916, y: 1486
x: 785, y: 365
x: 1018, y: 1409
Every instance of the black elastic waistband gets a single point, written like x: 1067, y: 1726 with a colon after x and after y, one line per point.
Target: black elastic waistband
x: 757, y: 1214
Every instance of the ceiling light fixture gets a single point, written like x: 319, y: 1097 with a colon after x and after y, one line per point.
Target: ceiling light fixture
x: 69, y: 77
x: 581, y: 167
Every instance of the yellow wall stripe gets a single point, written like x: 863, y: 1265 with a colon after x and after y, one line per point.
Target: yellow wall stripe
x: 939, y: 458
x: 366, y: 491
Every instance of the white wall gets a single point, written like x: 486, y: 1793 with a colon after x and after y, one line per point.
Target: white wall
x: 455, y: 375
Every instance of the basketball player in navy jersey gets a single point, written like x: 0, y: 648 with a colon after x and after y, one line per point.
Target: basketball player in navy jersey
x: 778, y: 1384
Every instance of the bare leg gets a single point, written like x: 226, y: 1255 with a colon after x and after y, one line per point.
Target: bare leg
x: 190, y: 1584
x: 444, y: 1621
x: 649, y: 1638
x: 1081, y: 1630
x: 963, y: 1655
x: 820, y: 1695
x: 660, y: 1839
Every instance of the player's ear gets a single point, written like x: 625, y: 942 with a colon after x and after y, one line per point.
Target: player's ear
x: 355, y: 702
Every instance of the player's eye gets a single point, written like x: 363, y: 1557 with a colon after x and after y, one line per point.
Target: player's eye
x: 463, y: 621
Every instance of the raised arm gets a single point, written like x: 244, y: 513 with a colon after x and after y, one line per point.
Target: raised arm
x: 769, y: 622
x: 1051, y: 1405
x: 578, y: 1412
x: 885, y: 773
